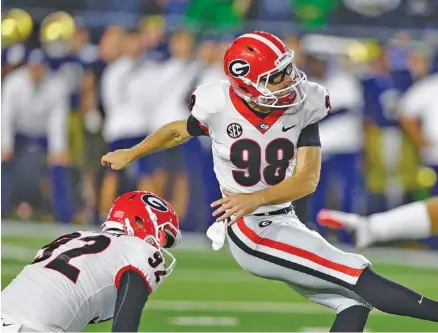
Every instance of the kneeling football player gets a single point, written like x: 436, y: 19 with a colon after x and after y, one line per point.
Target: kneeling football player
x: 89, y: 277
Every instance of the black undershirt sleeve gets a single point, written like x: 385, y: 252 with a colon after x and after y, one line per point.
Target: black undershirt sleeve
x: 309, y: 136
x: 194, y: 127
x: 131, y: 298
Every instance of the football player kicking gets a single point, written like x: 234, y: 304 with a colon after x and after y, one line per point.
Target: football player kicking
x: 417, y: 220
x: 89, y: 277
x: 263, y: 123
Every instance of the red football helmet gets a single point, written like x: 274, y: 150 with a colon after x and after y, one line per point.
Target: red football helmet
x: 258, y: 58
x: 146, y: 216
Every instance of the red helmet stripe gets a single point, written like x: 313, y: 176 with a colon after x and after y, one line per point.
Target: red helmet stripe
x: 265, y: 41
x: 262, y: 47
x: 274, y: 39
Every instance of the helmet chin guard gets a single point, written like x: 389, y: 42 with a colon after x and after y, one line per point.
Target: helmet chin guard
x: 168, y: 257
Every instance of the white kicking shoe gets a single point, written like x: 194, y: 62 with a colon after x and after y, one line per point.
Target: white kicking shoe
x: 334, y: 219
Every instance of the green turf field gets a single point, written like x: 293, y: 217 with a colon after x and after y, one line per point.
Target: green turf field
x: 208, y: 291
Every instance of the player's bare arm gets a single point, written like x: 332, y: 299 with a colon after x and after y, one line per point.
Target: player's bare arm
x: 413, y: 130
x: 168, y: 136
x: 302, y: 183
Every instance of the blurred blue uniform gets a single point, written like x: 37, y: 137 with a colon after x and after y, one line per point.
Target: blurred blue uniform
x: 381, y: 93
x: 32, y: 132
x: 340, y: 158
x: 72, y: 68
x: 387, y: 150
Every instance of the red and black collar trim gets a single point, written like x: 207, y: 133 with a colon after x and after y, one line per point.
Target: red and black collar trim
x: 262, y: 124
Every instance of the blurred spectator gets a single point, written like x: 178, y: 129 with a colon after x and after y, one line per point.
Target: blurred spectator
x: 13, y: 57
x: 152, y: 30
x: 126, y: 120
x: 211, y: 50
x: 174, y: 79
x: 110, y: 43
x: 390, y: 158
x: 89, y: 119
x: 420, y: 62
x: 293, y: 43
x: 340, y: 157
x: 16, y: 29
x: 71, y: 54
x: 34, y: 116
x: 419, y: 118
x: 109, y: 48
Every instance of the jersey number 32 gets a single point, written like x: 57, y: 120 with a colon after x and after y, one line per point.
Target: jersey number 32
x: 92, y: 245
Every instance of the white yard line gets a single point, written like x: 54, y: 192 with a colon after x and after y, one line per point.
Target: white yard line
x: 18, y: 253
x: 242, y: 307
x: 203, y: 321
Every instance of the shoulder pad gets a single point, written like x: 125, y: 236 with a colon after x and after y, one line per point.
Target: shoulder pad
x: 211, y: 96
x: 317, y: 104
x: 207, y: 100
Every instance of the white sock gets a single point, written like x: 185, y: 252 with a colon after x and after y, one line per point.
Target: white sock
x: 409, y: 221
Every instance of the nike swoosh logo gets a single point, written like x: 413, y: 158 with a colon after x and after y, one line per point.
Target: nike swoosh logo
x: 285, y: 129
x: 4, y: 324
x: 421, y: 300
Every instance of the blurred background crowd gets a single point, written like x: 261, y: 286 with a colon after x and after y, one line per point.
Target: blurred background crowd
x: 83, y: 77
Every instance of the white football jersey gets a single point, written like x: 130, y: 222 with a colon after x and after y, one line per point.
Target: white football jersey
x: 251, y: 153
x: 418, y: 103
x: 73, y: 281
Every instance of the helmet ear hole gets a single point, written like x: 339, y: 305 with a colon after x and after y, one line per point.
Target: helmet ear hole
x: 139, y: 221
x: 170, y: 239
x: 250, y: 48
x: 245, y: 89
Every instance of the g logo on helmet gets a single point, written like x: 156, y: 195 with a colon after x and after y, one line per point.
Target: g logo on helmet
x: 155, y: 202
x: 238, y: 68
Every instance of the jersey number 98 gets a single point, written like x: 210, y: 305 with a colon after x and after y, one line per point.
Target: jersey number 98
x: 247, y: 154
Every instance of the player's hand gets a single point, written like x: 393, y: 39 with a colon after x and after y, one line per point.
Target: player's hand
x: 59, y: 158
x: 236, y: 205
x: 117, y: 159
x: 7, y: 155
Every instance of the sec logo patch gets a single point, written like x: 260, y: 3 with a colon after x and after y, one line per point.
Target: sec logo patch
x: 234, y: 130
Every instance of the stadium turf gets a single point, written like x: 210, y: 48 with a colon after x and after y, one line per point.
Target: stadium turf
x: 208, y: 291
